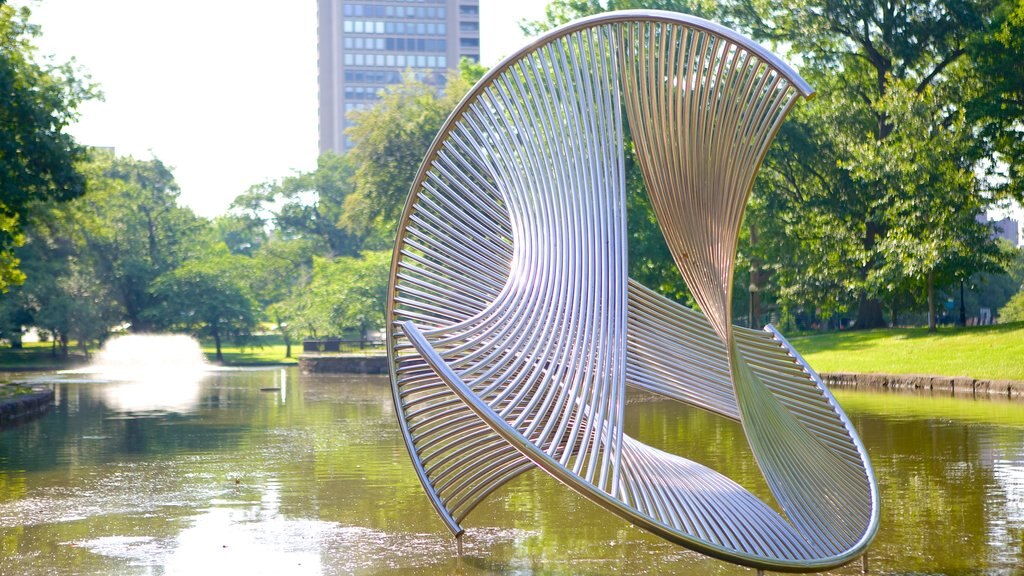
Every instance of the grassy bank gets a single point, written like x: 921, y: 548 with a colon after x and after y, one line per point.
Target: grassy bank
x: 258, y: 350
x: 995, y: 352
x: 37, y: 356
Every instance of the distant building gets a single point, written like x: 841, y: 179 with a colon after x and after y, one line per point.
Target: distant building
x: 364, y: 45
x: 1007, y: 228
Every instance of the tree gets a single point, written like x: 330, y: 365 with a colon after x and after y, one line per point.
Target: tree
x: 132, y: 230
x: 308, y: 205
x: 62, y: 293
x: 391, y: 140
x: 208, y: 296
x: 1014, y: 309
x: 280, y: 270
x: 998, y: 105
x: 856, y: 53
x: 91, y: 263
x: 37, y: 156
x: 345, y: 295
x: 931, y: 195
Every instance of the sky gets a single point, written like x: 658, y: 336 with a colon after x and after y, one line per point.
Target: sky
x: 224, y: 91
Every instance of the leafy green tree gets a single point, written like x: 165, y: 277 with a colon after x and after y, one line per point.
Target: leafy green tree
x: 132, y: 230
x: 91, y: 263
x: 345, y: 295
x: 279, y: 270
x: 391, y: 140
x: 932, y: 194
x: 37, y: 157
x: 241, y: 233
x: 61, y: 294
x: 998, y: 104
x: 857, y: 54
x: 208, y: 296
x: 471, y: 71
x: 307, y: 205
x: 15, y: 315
x: 1014, y: 309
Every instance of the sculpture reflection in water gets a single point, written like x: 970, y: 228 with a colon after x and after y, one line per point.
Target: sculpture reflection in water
x: 514, y: 329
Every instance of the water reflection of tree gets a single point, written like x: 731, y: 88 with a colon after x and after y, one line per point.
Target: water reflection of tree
x: 938, y: 489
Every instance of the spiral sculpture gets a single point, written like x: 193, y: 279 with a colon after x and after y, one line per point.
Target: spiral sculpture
x: 514, y: 329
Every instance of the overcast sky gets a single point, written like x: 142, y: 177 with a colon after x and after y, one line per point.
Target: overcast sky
x: 223, y: 91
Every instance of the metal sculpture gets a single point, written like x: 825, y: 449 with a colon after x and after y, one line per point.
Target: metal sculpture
x: 513, y: 327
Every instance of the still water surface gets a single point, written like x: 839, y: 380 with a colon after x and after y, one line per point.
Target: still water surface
x: 272, y: 472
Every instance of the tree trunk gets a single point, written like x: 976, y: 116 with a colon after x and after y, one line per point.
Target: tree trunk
x: 869, y: 313
x: 287, y: 348
x: 869, y: 310
x: 931, y: 301
x: 894, y: 311
x: 756, y: 283
x: 216, y: 340
x: 963, y: 307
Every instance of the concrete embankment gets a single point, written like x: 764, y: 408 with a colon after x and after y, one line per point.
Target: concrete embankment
x: 21, y: 407
x: 954, y: 385
x: 377, y: 364
x: 346, y: 364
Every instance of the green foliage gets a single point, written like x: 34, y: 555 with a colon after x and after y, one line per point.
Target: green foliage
x: 307, y: 205
x: 871, y: 189
x: 279, y: 270
x: 391, y: 140
x: 345, y: 295
x: 471, y: 71
x: 208, y: 296
x: 130, y: 230
x: 91, y: 264
x: 37, y: 156
x: 998, y: 104
x: 1014, y: 309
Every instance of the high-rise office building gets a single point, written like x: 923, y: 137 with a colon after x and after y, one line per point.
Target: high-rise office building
x: 364, y: 45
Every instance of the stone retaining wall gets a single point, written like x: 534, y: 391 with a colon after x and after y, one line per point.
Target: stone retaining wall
x: 314, y: 364
x: 954, y: 385
x: 20, y: 407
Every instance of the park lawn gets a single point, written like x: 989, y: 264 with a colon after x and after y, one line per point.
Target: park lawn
x: 990, y: 352
x: 38, y: 356
x: 257, y: 351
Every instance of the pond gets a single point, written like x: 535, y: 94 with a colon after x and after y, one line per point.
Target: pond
x: 273, y: 472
